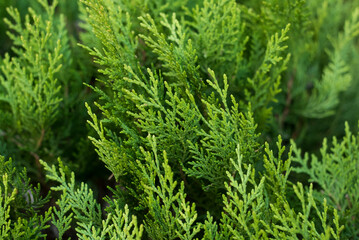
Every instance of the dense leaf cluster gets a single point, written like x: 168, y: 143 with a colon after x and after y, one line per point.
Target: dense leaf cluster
x: 193, y: 115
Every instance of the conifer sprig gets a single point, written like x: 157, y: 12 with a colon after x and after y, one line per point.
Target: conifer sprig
x: 336, y: 76
x: 265, y: 84
x: 217, y: 32
x: 224, y: 128
x: 340, y: 162
x: 174, y: 50
x: 170, y: 215
x: 5, y: 198
x: 243, y: 203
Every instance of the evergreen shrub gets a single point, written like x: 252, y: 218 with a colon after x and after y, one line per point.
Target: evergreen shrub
x: 179, y: 119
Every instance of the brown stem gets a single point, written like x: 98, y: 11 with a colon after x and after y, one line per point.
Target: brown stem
x: 39, y: 142
x: 37, y: 162
x: 110, y: 177
x: 350, y: 205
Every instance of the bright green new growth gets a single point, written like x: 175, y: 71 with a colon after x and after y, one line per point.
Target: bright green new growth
x: 5, y: 222
x: 41, y: 87
x: 28, y: 82
x: 246, y: 213
x: 170, y: 215
x: 80, y: 204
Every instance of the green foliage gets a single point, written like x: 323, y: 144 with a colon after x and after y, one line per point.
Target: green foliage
x: 169, y: 214
x: 176, y: 53
x: 32, y: 91
x: 265, y: 84
x: 226, y: 128
x: 320, y: 78
x: 218, y: 36
x: 184, y: 101
x: 336, y: 77
x: 5, y: 207
x: 21, y: 204
x: 336, y: 175
x: 86, y: 211
x: 41, y: 93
